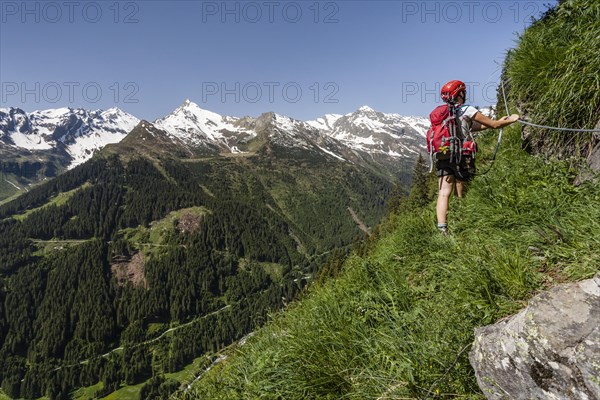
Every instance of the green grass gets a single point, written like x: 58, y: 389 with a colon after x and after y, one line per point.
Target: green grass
x: 155, y: 329
x: 396, y: 320
x: 184, y: 376
x: 189, y: 372
x: 126, y: 393
x: 45, y: 247
x: 158, y: 230
x: 58, y: 200
x: 87, y: 393
x: 554, y: 75
x: 7, y: 191
x: 274, y: 270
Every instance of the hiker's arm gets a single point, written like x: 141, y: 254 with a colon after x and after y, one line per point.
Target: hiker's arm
x: 478, y: 127
x: 495, y: 124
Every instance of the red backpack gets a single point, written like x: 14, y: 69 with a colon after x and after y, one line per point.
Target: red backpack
x: 445, y: 136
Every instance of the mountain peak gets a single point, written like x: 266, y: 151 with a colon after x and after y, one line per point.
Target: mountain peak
x: 365, y: 108
x: 371, y: 131
x: 190, y: 108
x: 188, y: 103
x: 114, y: 110
x: 145, y: 130
x: 150, y: 140
x: 200, y: 128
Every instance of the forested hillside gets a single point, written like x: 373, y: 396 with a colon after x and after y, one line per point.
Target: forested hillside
x: 97, y: 265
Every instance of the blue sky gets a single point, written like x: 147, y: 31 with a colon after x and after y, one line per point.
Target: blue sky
x: 298, y: 58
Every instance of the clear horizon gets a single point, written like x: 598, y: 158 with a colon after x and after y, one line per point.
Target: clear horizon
x: 302, y: 59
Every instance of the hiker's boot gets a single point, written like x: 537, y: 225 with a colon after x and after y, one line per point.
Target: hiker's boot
x: 443, y: 228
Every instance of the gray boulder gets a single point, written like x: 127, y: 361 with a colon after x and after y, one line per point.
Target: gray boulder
x: 550, y: 350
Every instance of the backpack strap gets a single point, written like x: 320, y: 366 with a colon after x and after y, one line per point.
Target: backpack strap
x: 455, y: 135
x: 431, y: 153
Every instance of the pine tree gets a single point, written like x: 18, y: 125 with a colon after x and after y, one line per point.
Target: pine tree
x: 419, y: 189
x: 396, y: 198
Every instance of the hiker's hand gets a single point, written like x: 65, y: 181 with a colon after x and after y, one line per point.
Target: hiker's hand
x: 512, y: 118
x: 495, y: 124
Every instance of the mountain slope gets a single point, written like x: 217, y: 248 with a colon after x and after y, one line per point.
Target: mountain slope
x: 149, y: 141
x: 552, y: 79
x: 398, y: 321
x: 175, y: 241
x: 79, y: 132
x: 40, y: 145
x: 375, y: 132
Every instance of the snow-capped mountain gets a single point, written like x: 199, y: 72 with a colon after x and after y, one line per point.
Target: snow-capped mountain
x: 78, y: 131
x: 290, y: 133
x: 489, y: 111
x: 364, y: 130
x: 44, y: 143
x: 197, y: 127
x: 196, y: 130
x: 375, y: 132
x: 364, y: 133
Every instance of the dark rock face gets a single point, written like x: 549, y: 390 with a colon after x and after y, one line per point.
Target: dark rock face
x: 550, y: 350
x: 593, y: 160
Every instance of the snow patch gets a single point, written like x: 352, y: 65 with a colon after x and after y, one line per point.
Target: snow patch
x: 15, y: 186
x: 331, y: 153
x: 326, y: 122
x: 30, y: 141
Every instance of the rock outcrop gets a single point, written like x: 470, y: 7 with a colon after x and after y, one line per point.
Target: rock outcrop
x: 549, y: 350
x: 593, y: 160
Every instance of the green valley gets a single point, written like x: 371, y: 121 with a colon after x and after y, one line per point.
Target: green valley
x: 132, y: 266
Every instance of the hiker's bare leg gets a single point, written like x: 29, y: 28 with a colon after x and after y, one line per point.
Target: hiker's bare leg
x: 460, y: 188
x: 445, y: 186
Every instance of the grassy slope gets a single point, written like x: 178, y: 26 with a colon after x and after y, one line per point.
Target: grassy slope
x: 398, y: 323
x: 554, y: 76
x: 155, y: 235
x: 395, y: 321
x: 8, y: 191
x: 58, y: 200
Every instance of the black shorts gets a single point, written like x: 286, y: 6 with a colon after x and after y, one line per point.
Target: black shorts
x: 464, y: 171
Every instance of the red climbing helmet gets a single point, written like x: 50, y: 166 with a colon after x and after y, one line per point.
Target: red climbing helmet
x: 452, y: 89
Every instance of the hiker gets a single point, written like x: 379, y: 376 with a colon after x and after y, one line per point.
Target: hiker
x: 456, y: 121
